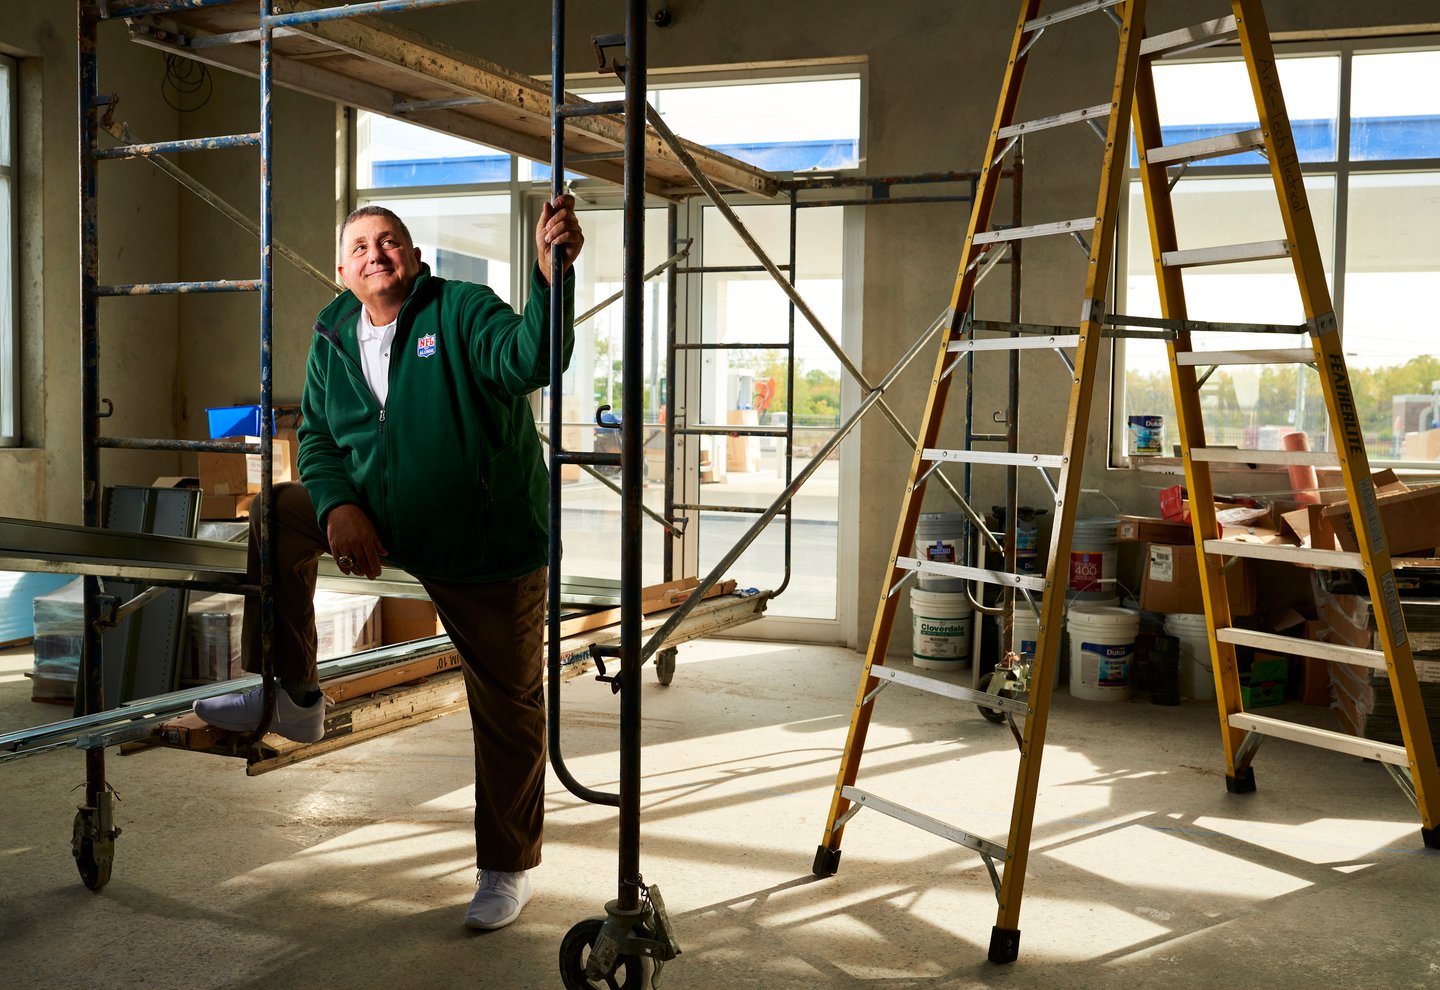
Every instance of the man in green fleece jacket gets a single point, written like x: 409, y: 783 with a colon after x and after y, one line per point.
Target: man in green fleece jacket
x: 418, y: 449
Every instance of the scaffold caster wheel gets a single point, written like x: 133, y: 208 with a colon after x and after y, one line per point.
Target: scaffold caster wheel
x: 93, y: 848
x: 665, y: 665
x: 630, y: 973
x: 996, y: 715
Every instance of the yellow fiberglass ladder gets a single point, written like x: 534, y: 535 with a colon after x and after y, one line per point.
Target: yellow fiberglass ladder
x: 1080, y: 347
x: 1413, y: 764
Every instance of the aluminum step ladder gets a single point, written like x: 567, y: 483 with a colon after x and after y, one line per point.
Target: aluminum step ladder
x: 1413, y: 764
x: 1079, y: 347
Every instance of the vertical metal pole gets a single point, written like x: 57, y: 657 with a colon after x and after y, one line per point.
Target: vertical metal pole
x: 632, y: 454
x: 89, y: 694
x: 672, y: 285
x: 267, y: 426
x: 557, y: 419
x: 1012, y: 418
x: 790, y: 390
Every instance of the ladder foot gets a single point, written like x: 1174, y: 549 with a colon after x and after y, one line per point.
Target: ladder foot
x: 1431, y: 837
x: 827, y: 861
x: 1242, y: 783
x: 1004, y: 944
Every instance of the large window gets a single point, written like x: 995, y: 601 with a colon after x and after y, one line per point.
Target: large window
x: 472, y: 209
x: 1367, y: 127
x: 9, y: 345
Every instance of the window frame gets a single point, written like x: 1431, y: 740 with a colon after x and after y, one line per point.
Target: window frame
x: 1341, y: 171
x: 526, y: 197
x: 10, y: 332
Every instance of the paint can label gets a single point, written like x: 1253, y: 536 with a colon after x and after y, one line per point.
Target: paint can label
x: 1147, y: 435
x: 1108, y: 663
x: 1087, y: 567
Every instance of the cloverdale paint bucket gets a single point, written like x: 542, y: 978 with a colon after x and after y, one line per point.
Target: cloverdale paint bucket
x: 1147, y: 435
x: 1102, y: 645
x: 1093, y: 554
x: 938, y: 537
x: 1197, y: 673
x: 942, y: 624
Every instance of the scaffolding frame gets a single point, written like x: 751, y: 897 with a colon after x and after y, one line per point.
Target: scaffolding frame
x: 93, y: 729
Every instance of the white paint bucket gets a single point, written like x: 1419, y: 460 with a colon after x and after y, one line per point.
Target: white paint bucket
x: 1197, y: 669
x: 1093, y: 555
x: 941, y: 630
x: 1102, y: 646
x: 1026, y: 633
x: 939, y: 537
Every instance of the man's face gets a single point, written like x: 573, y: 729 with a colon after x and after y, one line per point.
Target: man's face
x: 377, y: 262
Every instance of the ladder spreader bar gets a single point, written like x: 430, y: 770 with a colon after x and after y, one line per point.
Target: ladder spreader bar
x: 1002, y: 578
x: 1226, y: 254
x: 1079, y: 10
x: 1065, y: 227
x: 1202, y: 326
x: 1014, y: 343
x: 1288, y: 355
x: 1232, y: 455
x: 1338, y: 742
x: 1018, y: 459
x: 1210, y: 147
x: 1280, y: 551
x: 1375, y: 659
x: 1216, y: 32
x: 920, y: 820
x: 1057, y: 120
x: 948, y: 690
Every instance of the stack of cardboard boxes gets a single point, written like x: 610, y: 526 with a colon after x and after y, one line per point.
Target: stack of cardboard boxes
x: 1295, y: 600
x: 231, y: 481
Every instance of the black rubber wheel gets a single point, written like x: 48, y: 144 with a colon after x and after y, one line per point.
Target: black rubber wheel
x: 94, y: 869
x: 631, y: 972
x: 665, y: 665
x: 996, y: 715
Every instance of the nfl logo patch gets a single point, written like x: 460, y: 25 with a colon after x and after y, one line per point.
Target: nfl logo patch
x: 425, y: 347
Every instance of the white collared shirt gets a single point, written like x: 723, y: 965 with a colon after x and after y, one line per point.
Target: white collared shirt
x: 375, y: 344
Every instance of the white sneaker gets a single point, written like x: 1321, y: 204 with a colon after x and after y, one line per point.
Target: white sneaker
x: 499, y: 899
x: 241, y: 713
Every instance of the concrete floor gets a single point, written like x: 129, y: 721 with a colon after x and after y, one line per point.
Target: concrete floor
x: 353, y: 870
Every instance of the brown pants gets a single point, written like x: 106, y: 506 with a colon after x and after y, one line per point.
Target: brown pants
x: 498, y: 628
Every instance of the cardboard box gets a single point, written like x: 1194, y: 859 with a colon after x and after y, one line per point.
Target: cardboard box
x: 1171, y: 582
x: 1410, y: 518
x: 1308, y: 526
x: 239, y: 474
x: 1423, y: 446
x: 225, y: 506
x: 238, y: 421
x: 1148, y: 529
x: 404, y: 619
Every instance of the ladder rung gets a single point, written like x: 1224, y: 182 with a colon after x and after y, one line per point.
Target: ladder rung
x: 1287, y: 355
x: 948, y: 690
x: 1232, y: 455
x: 1276, y: 643
x: 1339, y: 742
x: 1058, y: 120
x: 1036, y: 230
x: 1079, y: 10
x: 1226, y: 254
x: 1014, y: 343
x: 920, y: 820
x: 1215, y: 32
x: 1005, y: 579
x: 1210, y: 147
x: 1280, y: 551
x: 933, y: 454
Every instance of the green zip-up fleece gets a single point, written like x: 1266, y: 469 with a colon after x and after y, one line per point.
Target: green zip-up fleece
x: 450, y: 470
